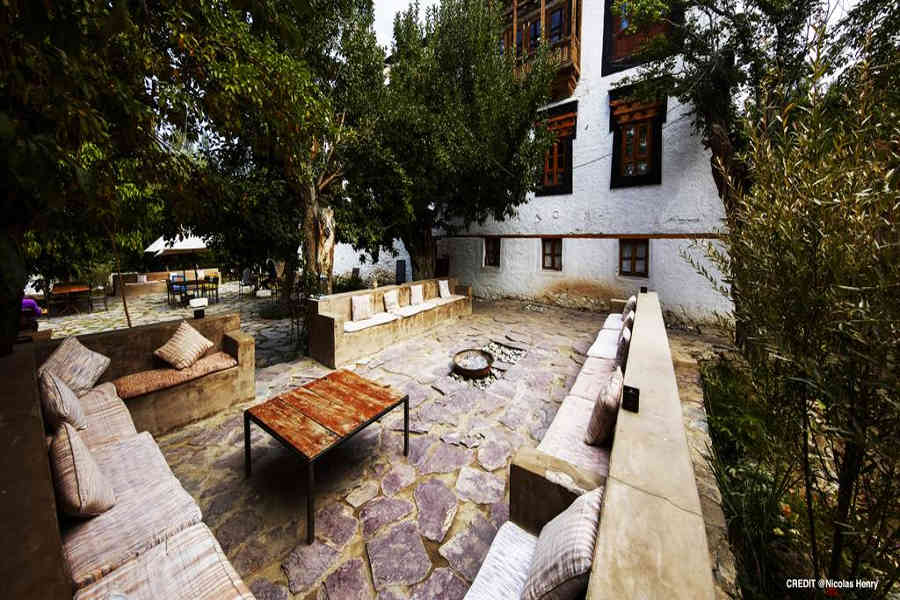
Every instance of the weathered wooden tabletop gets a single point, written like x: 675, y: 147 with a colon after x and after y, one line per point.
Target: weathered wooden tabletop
x: 320, y: 414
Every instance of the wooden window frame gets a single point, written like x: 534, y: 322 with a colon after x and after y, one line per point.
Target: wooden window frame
x: 644, y: 116
x: 554, y: 253
x: 561, y: 31
x: 633, y: 244
x: 556, y: 178
x: 489, y: 255
x: 613, y: 62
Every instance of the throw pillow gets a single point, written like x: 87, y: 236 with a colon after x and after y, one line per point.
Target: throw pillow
x: 444, y: 287
x: 78, y: 367
x: 622, y: 350
x: 630, y: 305
x: 391, y: 300
x: 603, y: 418
x: 81, y: 488
x: 360, y: 307
x: 628, y: 322
x: 184, y: 348
x: 59, y: 403
x: 565, y: 549
x: 416, y: 295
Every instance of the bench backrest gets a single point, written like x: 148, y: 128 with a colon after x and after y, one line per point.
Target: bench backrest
x: 339, y: 305
x: 652, y: 539
x: 131, y: 350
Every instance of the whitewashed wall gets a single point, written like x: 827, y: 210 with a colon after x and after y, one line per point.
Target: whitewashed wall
x: 685, y: 202
x: 346, y: 259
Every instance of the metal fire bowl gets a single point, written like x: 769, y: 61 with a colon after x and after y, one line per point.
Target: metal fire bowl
x: 462, y: 356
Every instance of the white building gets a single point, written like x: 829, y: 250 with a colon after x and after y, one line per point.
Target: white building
x: 346, y: 259
x: 626, y: 188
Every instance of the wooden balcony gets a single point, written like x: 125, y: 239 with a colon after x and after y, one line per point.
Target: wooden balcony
x: 556, y: 21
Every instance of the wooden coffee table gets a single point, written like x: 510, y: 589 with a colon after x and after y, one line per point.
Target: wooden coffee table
x: 322, y: 415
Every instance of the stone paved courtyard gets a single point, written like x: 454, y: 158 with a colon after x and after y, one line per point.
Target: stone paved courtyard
x: 390, y: 526
x: 272, y: 336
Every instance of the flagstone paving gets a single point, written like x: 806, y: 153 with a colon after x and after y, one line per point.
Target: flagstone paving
x: 273, y: 343
x: 389, y: 526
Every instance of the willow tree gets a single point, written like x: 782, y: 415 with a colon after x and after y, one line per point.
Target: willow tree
x: 453, y: 132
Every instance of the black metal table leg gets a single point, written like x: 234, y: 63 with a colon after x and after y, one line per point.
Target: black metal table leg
x: 310, y: 505
x: 247, y: 443
x: 406, y: 427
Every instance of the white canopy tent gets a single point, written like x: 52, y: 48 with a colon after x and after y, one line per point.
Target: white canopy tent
x: 180, y: 245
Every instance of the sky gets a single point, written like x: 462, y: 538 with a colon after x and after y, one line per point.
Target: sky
x: 384, y: 17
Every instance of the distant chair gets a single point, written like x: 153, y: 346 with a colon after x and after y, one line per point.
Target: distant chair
x: 248, y: 280
x: 175, y: 287
x: 97, y: 293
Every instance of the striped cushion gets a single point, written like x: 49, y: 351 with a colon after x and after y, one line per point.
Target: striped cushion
x: 184, y: 348
x: 81, y: 488
x: 189, y: 566
x: 132, y: 462
x: 79, y: 367
x: 361, y: 307
x: 416, y: 294
x: 505, y: 568
x: 391, y: 300
x: 622, y: 348
x: 143, y: 517
x: 565, y: 551
x: 628, y: 321
x: 59, y: 404
x: 444, y: 288
x: 603, y: 418
x: 108, y: 420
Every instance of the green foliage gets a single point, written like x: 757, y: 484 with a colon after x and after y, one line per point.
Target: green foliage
x: 817, y: 260
x: 453, y: 137
x: 348, y: 283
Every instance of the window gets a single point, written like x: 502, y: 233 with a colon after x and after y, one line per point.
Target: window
x: 552, y: 254
x: 637, y: 140
x: 534, y: 35
x: 557, y: 22
x: 633, y: 257
x: 621, y: 48
x: 492, y: 252
x: 519, y: 43
x: 557, y: 174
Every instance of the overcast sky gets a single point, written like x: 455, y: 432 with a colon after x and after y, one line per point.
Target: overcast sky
x: 384, y: 17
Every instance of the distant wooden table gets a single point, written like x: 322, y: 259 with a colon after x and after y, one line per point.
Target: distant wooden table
x: 71, y: 292
x: 321, y: 415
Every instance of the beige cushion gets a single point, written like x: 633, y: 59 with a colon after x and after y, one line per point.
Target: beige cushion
x: 444, y: 288
x: 133, y: 462
x: 81, y: 488
x: 144, y: 382
x: 189, y: 566
x: 361, y: 307
x: 613, y: 321
x: 564, y: 439
x: 77, y: 366
x: 391, y: 300
x: 628, y: 321
x: 630, y: 305
x: 564, y: 552
x: 376, y: 319
x: 622, y: 349
x: 606, y: 344
x: 184, y: 348
x: 59, y: 404
x: 606, y: 408
x: 108, y: 420
x: 410, y: 310
x: 416, y: 294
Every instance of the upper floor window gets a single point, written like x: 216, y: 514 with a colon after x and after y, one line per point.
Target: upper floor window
x: 620, y: 47
x: 637, y: 141
x: 557, y: 25
x: 519, y: 42
x: 551, y: 250
x: 557, y: 173
x: 492, y: 252
x: 534, y: 35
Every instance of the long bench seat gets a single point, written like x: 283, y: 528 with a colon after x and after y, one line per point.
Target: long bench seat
x: 335, y: 338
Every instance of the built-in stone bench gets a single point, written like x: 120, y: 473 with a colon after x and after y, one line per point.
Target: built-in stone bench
x: 651, y: 540
x: 336, y: 339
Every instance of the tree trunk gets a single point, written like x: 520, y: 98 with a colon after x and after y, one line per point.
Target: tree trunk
x: 318, y: 239
x: 12, y: 285
x: 422, y: 248
x: 847, y: 478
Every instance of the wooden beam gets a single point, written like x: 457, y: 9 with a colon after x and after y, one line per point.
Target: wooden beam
x: 515, y: 35
x: 543, y: 18
x: 602, y: 236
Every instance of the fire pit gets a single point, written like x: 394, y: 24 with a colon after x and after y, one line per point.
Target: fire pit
x: 473, y: 363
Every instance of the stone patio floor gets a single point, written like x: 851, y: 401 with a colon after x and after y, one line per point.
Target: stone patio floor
x: 273, y: 343
x: 390, y: 526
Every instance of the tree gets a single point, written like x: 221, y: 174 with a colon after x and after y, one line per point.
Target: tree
x: 454, y: 138
x: 818, y: 260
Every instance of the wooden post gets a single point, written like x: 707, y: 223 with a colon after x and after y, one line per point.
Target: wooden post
x: 543, y: 17
x: 515, y: 30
